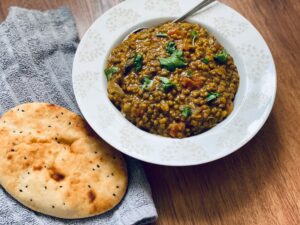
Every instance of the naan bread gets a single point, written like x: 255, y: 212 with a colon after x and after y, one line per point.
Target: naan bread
x: 52, y: 162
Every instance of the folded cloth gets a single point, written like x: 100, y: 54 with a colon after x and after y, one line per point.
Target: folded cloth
x: 36, y: 55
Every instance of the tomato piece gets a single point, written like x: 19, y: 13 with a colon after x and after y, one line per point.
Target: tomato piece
x: 191, y: 82
x: 176, y: 130
x: 173, y: 31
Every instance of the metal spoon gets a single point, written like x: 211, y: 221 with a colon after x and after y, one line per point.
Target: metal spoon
x: 185, y: 15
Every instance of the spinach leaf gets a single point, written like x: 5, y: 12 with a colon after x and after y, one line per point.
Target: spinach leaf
x: 146, y: 82
x: 212, y: 96
x: 171, y: 47
x: 161, y: 34
x: 109, y: 72
x: 176, y: 60
x: 205, y: 60
x: 221, y: 57
x: 195, y: 35
x: 167, y: 85
x: 186, y: 111
x: 138, y: 62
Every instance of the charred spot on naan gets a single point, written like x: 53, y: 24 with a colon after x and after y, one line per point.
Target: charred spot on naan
x: 56, y: 175
x: 91, y: 196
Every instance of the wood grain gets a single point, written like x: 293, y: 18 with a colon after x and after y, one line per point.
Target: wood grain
x: 259, y: 184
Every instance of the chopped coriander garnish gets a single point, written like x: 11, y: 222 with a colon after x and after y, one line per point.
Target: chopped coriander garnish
x: 161, y: 34
x: 146, y: 82
x: 205, y: 60
x: 109, y: 72
x: 189, y: 73
x: 195, y: 35
x: 212, y: 96
x: 176, y: 60
x: 171, y: 47
x: 135, y: 62
x: 164, y: 80
x: 186, y: 111
x: 138, y: 62
x: 221, y: 57
x: 167, y: 85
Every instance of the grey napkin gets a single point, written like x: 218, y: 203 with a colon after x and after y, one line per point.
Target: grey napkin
x: 36, y: 55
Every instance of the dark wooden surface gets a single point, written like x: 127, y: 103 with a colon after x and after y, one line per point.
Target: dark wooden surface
x: 259, y: 184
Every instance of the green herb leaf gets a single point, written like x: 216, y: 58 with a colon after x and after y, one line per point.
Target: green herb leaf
x: 167, y: 85
x: 205, y: 60
x: 161, y: 34
x: 138, y: 62
x: 176, y: 60
x: 221, y: 57
x: 189, y: 73
x: 212, y: 96
x: 165, y: 80
x: 195, y: 35
x: 171, y: 47
x: 109, y: 72
x: 146, y: 82
x: 186, y: 111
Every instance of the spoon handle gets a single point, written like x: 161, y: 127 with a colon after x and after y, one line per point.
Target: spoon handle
x: 194, y: 9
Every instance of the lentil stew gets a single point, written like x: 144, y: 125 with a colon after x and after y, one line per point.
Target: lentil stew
x: 173, y: 80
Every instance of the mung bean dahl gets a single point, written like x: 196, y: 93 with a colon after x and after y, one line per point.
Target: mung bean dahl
x: 173, y: 80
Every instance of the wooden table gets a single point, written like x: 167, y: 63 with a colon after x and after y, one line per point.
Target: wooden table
x: 259, y: 184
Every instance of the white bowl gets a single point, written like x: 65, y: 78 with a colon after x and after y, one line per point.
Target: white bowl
x: 252, y: 105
